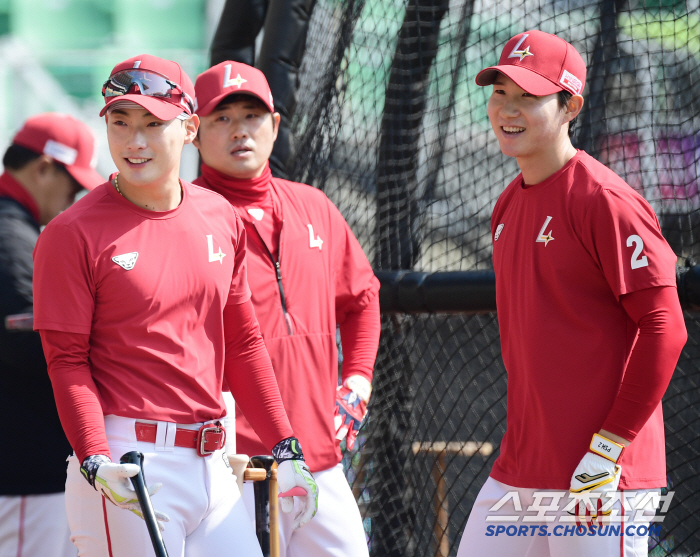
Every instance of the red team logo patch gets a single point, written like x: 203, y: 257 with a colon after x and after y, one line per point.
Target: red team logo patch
x: 571, y: 82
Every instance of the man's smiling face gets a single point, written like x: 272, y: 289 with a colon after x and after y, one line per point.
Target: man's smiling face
x: 145, y: 149
x: 526, y: 126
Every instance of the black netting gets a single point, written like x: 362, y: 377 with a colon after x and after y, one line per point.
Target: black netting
x: 392, y: 127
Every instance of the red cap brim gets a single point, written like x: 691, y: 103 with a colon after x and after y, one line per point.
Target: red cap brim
x: 86, y: 177
x: 212, y: 104
x: 524, y: 78
x: 160, y: 108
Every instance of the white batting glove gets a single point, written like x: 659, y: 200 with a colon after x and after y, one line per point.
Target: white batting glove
x: 597, y: 475
x: 112, y: 481
x: 295, y: 480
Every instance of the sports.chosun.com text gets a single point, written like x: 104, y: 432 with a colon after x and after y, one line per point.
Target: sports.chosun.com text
x: 575, y: 530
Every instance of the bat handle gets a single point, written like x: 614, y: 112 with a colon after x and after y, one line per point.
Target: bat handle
x: 262, y: 503
x: 149, y: 515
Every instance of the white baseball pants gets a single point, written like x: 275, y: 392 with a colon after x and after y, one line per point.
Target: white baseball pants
x: 199, y: 494
x: 32, y: 525
x: 482, y: 538
x: 335, y: 531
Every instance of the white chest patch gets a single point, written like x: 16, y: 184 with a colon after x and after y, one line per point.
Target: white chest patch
x: 256, y: 213
x: 126, y: 260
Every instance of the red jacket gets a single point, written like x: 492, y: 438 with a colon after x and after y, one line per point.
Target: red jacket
x: 325, y: 276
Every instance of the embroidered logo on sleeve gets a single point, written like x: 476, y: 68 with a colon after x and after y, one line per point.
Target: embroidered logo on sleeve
x: 314, y: 242
x: 212, y: 255
x: 499, y: 229
x: 545, y: 237
x: 126, y: 260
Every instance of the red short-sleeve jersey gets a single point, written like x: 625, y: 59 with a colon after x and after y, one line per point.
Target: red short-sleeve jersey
x: 149, y: 288
x: 564, y: 252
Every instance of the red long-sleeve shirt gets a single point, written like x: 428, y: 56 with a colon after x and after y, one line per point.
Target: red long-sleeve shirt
x: 325, y: 281
x: 142, y: 313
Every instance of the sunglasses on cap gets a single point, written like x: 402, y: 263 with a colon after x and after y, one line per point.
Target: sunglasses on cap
x: 147, y: 83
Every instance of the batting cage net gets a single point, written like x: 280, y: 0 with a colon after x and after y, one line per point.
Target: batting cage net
x: 391, y: 125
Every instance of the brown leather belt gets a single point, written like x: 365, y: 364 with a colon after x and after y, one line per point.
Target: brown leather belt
x: 209, y: 438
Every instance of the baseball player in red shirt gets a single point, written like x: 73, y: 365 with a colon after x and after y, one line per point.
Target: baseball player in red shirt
x: 143, y: 306
x: 591, y: 328
x: 308, y: 275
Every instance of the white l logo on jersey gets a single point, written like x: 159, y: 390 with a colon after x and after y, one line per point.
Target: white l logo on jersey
x: 314, y: 242
x: 228, y: 82
x: 542, y: 237
x: 214, y: 256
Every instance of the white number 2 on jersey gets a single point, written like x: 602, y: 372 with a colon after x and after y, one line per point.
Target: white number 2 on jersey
x: 637, y: 261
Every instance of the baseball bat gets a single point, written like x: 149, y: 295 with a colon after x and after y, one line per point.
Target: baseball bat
x: 262, y: 503
x: 139, y: 483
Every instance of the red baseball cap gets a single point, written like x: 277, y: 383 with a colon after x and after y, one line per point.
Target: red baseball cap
x: 141, y: 86
x: 539, y: 63
x: 67, y: 141
x: 228, y: 78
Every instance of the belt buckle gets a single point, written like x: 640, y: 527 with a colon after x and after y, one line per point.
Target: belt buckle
x: 202, y: 437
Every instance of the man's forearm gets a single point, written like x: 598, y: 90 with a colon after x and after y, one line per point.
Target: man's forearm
x: 76, y: 394
x: 359, y: 334
x: 250, y: 376
x: 661, y: 338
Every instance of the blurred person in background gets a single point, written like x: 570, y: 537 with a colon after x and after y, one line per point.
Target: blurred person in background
x: 51, y: 159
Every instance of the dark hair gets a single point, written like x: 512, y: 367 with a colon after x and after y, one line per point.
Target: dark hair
x: 242, y: 97
x: 17, y: 157
x: 563, y: 97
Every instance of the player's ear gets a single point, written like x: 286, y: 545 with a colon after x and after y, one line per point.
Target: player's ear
x: 191, y: 128
x: 275, y: 125
x: 44, y: 165
x: 573, y: 107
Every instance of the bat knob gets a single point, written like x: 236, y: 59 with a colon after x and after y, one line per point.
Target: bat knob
x: 132, y: 457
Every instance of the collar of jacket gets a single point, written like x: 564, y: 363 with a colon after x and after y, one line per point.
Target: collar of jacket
x: 243, y: 192
x: 10, y: 187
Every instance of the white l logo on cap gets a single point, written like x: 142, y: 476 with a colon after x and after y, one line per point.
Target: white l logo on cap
x: 228, y: 82
x: 60, y: 152
x: 516, y: 53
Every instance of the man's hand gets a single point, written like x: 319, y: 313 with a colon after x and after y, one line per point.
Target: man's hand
x: 112, y: 481
x: 596, y: 475
x: 292, y: 472
x: 351, y: 400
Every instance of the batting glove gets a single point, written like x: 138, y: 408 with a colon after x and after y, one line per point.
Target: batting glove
x: 597, y: 475
x: 351, y: 400
x: 295, y: 480
x: 112, y: 481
